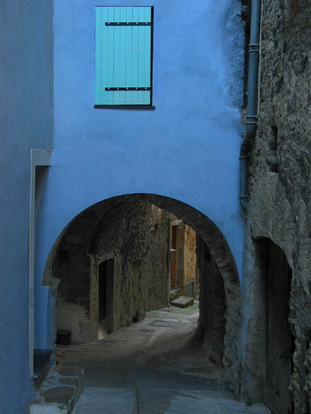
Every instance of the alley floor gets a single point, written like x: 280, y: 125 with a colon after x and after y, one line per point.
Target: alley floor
x: 153, y: 367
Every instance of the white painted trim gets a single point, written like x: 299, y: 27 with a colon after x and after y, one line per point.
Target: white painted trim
x: 38, y: 158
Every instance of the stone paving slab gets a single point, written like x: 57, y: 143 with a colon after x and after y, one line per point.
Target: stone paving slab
x: 59, y: 395
x: 59, y: 391
x: 151, y: 368
x: 185, y: 402
x: 167, y: 380
x: 99, y: 400
x: 157, y: 392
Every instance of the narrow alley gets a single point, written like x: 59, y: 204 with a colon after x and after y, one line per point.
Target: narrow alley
x: 155, y: 366
x: 150, y: 147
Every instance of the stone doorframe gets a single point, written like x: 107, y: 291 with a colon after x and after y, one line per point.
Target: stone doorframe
x: 96, y: 261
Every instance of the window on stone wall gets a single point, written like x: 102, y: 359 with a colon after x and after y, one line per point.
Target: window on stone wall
x: 123, y: 67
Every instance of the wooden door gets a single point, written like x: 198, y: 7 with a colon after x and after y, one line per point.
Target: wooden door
x: 279, y: 338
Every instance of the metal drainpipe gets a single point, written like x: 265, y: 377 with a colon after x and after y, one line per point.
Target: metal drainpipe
x: 251, y: 109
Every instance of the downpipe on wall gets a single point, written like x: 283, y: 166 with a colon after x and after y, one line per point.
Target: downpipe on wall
x: 251, y: 108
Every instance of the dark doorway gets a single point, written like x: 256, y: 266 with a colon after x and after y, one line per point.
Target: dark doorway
x: 280, y: 341
x: 173, y: 257
x: 105, y: 294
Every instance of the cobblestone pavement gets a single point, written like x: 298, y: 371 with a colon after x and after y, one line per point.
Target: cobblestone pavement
x: 152, y: 367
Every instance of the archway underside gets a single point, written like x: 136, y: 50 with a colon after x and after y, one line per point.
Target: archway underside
x: 94, y: 237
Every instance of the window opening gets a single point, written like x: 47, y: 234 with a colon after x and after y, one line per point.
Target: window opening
x: 123, y: 67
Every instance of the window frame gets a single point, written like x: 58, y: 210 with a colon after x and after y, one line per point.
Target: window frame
x: 125, y: 88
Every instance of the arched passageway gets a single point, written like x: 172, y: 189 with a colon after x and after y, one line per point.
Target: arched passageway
x: 107, y: 248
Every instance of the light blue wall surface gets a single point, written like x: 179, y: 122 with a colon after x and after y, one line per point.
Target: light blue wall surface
x: 26, y: 82
x: 187, y: 148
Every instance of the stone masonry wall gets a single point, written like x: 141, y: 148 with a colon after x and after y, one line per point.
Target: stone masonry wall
x: 136, y: 234
x: 190, y: 258
x: 280, y: 179
x: 211, y: 324
x: 71, y: 266
x: 139, y: 234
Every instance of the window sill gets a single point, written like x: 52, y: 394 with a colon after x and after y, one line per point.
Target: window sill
x: 136, y: 107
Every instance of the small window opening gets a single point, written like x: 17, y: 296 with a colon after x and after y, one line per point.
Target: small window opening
x: 272, y: 159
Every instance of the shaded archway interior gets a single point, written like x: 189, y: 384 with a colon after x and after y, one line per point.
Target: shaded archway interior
x: 113, y: 239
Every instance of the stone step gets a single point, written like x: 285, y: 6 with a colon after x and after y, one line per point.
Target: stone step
x: 59, y: 391
x: 175, y: 293
x: 183, y: 302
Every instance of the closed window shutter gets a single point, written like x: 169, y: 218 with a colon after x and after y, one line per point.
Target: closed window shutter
x: 123, y: 56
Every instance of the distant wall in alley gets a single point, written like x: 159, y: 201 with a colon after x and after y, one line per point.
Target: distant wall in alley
x: 183, y: 258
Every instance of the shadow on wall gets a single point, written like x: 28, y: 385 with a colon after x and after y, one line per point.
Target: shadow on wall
x: 121, y: 250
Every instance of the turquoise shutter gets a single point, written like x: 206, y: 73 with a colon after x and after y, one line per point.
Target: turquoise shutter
x: 123, y: 56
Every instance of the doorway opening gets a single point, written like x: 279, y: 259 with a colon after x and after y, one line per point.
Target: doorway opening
x: 39, y: 359
x: 279, y: 343
x: 105, y: 297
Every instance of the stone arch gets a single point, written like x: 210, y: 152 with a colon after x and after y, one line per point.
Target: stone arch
x: 217, y: 260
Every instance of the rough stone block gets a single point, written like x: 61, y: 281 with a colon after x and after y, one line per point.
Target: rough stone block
x: 183, y: 302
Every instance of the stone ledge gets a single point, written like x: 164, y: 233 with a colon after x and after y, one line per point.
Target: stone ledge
x: 183, y: 302
x: 59, y: 392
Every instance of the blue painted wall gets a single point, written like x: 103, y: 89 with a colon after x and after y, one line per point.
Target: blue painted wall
x: 187, y: 148
x: 26, y: 105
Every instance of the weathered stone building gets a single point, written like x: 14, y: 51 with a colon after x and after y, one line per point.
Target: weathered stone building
x: 277, y: 293
x: 111, y: 275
